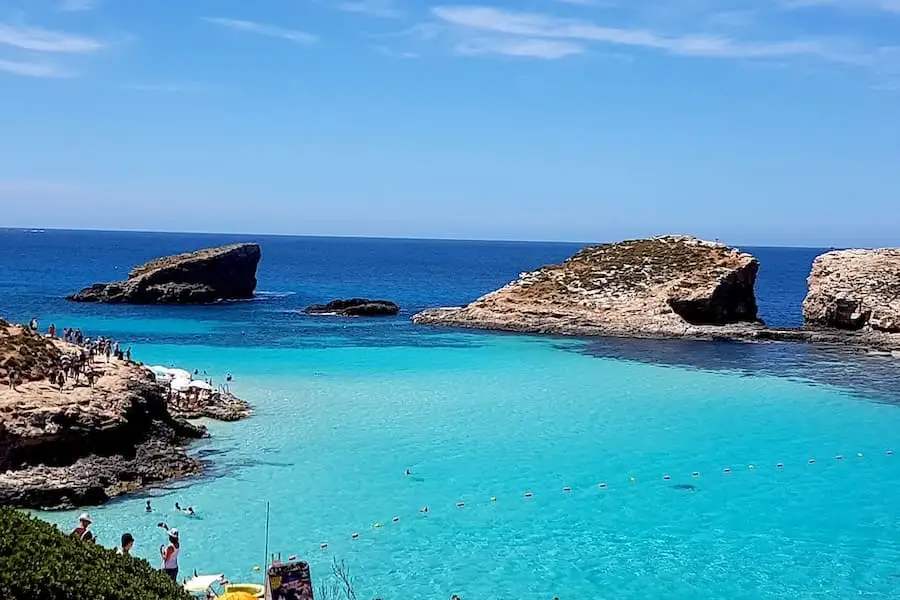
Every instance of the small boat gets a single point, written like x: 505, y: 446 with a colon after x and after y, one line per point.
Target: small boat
x: 215, y: 586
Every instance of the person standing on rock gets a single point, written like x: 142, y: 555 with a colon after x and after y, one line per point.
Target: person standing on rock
x: 83, y: 531
x: 169, y: 553
x: 12, y: 375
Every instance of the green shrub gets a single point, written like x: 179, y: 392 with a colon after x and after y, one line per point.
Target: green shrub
x: 37, y: 561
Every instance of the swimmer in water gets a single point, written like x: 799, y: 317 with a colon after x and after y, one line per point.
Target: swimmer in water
x: 424, y: 510
x: 189, y: 511
x: 148, y: 507
x: 408, y: 472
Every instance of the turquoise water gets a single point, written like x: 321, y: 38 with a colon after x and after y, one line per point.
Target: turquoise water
x: 343, y: 407
x: 336, y: 428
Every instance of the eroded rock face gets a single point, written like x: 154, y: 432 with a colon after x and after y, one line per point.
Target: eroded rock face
x: 82, y: 444
x: 855, y: 289
x: 201, y: 277
x: 355, y: 307
x: 667, y: 286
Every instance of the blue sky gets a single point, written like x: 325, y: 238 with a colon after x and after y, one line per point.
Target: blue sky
x: 754, y: 121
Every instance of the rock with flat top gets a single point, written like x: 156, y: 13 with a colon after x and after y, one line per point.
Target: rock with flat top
x: 201, y: 277
x: 856, y: 290
x: 668, y: 286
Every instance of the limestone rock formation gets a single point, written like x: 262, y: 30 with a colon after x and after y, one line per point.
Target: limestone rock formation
x: 668, y: 286
x: 855, y: 289
x: 355, y: 307
x: 201, y: 277
x: 82, y: 444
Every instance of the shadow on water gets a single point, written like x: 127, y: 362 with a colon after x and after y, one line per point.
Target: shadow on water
x: 870, y: 377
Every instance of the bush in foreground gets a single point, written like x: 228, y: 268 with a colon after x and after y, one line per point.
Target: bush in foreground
x: 38, y: 561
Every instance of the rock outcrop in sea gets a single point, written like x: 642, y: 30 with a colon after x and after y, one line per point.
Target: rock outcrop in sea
x: 856, y: 290
x: 201, y: 277
x: 668, y: 286
x: 355, y: 307
x: 82, y: 443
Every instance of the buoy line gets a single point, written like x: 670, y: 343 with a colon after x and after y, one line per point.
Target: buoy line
x: 602, y: 485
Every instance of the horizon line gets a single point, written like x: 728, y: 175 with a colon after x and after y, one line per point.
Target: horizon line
x: 392, y: 237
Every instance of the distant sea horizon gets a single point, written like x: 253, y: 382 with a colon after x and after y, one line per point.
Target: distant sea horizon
x: 424, y: 238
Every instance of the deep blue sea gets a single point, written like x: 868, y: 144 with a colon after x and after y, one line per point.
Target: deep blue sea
x: 508, y: 437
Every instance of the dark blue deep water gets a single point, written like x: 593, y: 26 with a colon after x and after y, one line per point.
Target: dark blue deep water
x: 38, y: 269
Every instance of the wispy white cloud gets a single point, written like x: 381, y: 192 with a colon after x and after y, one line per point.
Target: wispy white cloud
x: 889, y: 6
x: 46, y: 40
x: 590, y: 3
x: 537, y: 25
x: 33, y: 69
x: 392, y: 53
x: 292, y: 35
x: 79, y: 5
x: 519, y: 47
x: 385, y: 9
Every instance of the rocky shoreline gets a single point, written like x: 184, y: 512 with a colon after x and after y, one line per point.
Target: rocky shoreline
x: 80, y: 443
x: 679, y: 287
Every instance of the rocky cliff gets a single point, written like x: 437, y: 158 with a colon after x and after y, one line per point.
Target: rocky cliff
x: 669, y: 286
x: 83, y: 444
x: 856, y: 290
x: 201, y: 277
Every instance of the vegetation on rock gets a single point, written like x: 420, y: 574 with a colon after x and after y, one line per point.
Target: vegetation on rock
x: 31, y: 356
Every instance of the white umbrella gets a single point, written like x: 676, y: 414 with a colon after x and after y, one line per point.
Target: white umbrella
x: 180, y: 385
x: 200, y: 385
x: 179, y: 374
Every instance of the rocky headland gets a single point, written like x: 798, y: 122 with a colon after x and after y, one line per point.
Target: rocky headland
x: 857, y: 290
x: 659, y: 287
x: 82, y: 443
x: 355, y: 307
x: 201, y: 277
x: 683, y: 287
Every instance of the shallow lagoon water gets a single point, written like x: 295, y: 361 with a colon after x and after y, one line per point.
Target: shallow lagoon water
x: 344, y: 407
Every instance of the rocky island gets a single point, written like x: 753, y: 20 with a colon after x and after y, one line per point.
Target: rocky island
x: 855, y: 290
x: 355, y: 307
x: 669, y: 286
x: 683, y: 287
x: 201, y: 277
x: 82, y: 440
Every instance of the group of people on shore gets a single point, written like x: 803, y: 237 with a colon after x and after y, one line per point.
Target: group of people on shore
x: 168, y: 553
x: 74, y: 364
